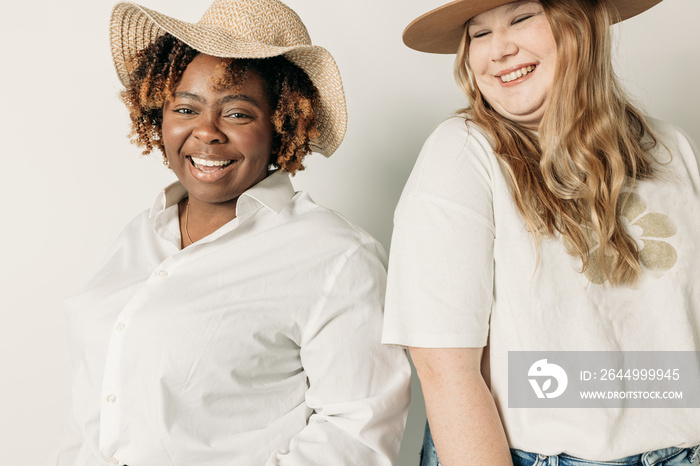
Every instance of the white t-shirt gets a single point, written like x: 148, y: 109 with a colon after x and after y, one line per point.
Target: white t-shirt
x: 463, y: 269
x: 257, y: 345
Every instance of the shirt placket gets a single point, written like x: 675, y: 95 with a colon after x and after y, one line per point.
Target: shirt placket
x: 112, y: 411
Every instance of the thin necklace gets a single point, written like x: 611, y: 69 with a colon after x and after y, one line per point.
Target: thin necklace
x: 187, y: 221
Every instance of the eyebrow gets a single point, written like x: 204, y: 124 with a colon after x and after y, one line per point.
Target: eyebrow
x: 224, y: 100
x: 510, y: 7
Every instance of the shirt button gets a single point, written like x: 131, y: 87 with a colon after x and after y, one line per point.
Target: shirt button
x: 113, y: 460
x: 162, y: 273
x: 111, y: 398
x: 120, y: 326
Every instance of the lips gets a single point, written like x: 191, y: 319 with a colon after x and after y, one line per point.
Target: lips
x: 519, y: 73
x: 209, y: 165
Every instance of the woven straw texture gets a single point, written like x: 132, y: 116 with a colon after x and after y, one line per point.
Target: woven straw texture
x: 240, y: 29
x: 440, y: 30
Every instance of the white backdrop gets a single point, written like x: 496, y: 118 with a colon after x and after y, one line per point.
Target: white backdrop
x: 72, y: 181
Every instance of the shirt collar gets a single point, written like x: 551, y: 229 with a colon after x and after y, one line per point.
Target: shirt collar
x: 274, y: 192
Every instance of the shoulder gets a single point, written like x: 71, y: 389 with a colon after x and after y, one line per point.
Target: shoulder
x: 138, y: 234
x: 134, y: 230
x: 670, y: 135
x: 456, y: 138
x: 673, y: 145
x: 327, y: 229
x: 663, y: 129
x: 141, y: 220
x: 455, y: 160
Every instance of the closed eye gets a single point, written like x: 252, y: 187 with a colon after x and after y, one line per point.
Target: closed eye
x: 522, y: 18
x: 480, y: 34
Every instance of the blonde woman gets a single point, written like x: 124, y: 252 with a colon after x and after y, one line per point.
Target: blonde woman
x: 236, y: 322
x: 529, y: 224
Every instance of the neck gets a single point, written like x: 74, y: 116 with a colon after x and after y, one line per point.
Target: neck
x: 200, y: 219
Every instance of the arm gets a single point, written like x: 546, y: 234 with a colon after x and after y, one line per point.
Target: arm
x: 462, y: 414
x: 358, y: 388
x: 441, y: 288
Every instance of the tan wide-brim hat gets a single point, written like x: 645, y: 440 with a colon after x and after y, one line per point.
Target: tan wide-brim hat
x: 440, y: 30
x: 240, y: 29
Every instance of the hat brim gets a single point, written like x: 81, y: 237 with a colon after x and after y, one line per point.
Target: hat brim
x: 133, y: 28
x: 440, y: 30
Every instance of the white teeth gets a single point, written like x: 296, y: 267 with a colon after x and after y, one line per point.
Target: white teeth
x: 517, y: 74
x: 210, y: 163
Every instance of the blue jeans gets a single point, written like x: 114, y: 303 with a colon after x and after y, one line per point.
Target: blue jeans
x: 665, y: 457
x: 671, y: 456
x: 428, y: 455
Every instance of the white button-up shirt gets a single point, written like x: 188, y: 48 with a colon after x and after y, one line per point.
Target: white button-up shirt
x: 257, y: 345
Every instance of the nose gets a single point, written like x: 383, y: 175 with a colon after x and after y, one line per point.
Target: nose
x: 208, y: 131
x: 502, y: 46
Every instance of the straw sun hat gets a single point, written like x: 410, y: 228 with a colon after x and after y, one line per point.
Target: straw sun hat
x: 240, y: 29
x: 440, y: 30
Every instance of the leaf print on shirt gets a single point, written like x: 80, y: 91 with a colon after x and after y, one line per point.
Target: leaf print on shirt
x: 655, y: 254
x: 648, y: 230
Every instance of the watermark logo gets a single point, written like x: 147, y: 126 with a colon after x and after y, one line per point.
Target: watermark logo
x: 603, y: 379
x: 542, y: 370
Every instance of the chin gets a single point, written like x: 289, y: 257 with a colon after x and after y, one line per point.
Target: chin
x: 523, y: 116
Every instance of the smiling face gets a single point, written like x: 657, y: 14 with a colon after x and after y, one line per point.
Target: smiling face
x: 217, y: 140
x: 513, y: 56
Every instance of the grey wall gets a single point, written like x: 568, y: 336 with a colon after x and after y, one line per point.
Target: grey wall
x: 71, y: 180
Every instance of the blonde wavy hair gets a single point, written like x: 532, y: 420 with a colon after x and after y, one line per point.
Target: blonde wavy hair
x: 573, y: 176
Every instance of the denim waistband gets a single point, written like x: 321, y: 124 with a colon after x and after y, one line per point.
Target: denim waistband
x: 676, y: 456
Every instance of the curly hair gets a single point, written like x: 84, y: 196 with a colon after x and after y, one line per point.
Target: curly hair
x: 159, y: 67
x: 574, y: 175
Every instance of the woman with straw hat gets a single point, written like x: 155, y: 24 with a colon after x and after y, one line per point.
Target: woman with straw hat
x: 550, y: 216
x: 235, y: 322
